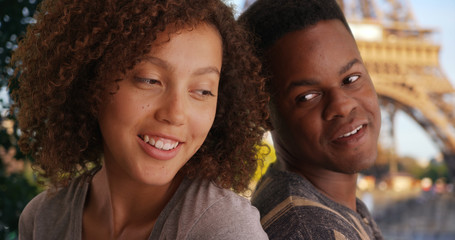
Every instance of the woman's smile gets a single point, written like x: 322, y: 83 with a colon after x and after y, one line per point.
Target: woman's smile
x: 162, y: 110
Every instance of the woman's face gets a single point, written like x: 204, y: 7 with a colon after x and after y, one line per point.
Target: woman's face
x: 164, y: 107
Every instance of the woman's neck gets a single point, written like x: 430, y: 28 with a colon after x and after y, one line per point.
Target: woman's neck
x: 127, y: 209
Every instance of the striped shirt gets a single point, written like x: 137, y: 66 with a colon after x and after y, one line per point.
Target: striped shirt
x: 292, y: 208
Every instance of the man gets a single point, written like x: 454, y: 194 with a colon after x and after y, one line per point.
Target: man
x: 326, y: 119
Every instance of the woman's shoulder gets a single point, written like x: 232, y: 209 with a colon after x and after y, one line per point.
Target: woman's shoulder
x: 57, y: 198
x: 29, y: 212
x: 211, y: 212
x: 208, y: 196
x: 52, y: 208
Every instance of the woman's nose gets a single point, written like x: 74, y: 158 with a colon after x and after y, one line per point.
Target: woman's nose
x: 173, y: 109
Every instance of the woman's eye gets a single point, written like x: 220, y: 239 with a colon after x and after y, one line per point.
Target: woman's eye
x: 306, y: 97
x: 203, y: 92
x: 147, y: 80
x: 351, y: 79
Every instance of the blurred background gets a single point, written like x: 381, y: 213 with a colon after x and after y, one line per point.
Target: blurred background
x: 409, y: 49
x: 17, y: 182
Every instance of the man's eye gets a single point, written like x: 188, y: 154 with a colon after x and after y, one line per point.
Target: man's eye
x: 306, y: 97
x: 351, y: 79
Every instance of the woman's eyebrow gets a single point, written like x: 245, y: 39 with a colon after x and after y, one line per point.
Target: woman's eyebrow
x: 207, y: 70
x: 158, y: 61
x: 164, y: 64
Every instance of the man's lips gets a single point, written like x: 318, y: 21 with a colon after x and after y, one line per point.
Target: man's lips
x: 357, y: 129
x: 349, y: 131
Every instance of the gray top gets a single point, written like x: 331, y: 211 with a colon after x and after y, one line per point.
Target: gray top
x: 292, y: 208
x: 198, y: 210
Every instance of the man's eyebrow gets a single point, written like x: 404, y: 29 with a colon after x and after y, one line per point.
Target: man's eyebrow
x: 301, y: 83
x: 348, y: 66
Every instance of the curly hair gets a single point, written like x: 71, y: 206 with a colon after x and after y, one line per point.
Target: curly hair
x: 60, y: 69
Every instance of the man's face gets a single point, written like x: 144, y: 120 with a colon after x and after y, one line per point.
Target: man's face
x: 324, y: 107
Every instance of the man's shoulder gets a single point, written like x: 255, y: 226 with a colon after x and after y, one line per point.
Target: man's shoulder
x: 301, y: 218
x: 291, y: 208
x: 276, y: 187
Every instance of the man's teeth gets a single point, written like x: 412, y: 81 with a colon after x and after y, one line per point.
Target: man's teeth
x: 160, y: 144
x: 353, y: 131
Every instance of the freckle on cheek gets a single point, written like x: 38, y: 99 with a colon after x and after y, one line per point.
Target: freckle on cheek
x: 147, y: 106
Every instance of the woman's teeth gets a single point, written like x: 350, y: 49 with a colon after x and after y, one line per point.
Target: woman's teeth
x: 161, y: 143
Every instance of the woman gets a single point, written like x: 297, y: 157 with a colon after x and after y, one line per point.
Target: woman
x: 141, y: 114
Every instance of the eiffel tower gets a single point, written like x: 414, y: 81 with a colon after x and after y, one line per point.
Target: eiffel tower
x: 403, y: 62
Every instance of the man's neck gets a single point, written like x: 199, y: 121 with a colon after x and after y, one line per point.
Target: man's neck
x: 339, y: 187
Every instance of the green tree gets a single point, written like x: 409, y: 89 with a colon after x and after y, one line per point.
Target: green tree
x: 17, y: 185
x: 436, y: 170
x: 15, y: 15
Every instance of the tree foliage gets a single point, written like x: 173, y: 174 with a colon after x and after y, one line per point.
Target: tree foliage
x: 17, y: 185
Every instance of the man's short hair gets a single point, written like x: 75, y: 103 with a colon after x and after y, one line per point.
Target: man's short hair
x: 269, y: 20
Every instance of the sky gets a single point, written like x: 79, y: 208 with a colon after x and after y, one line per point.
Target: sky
x: 411, y: 139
